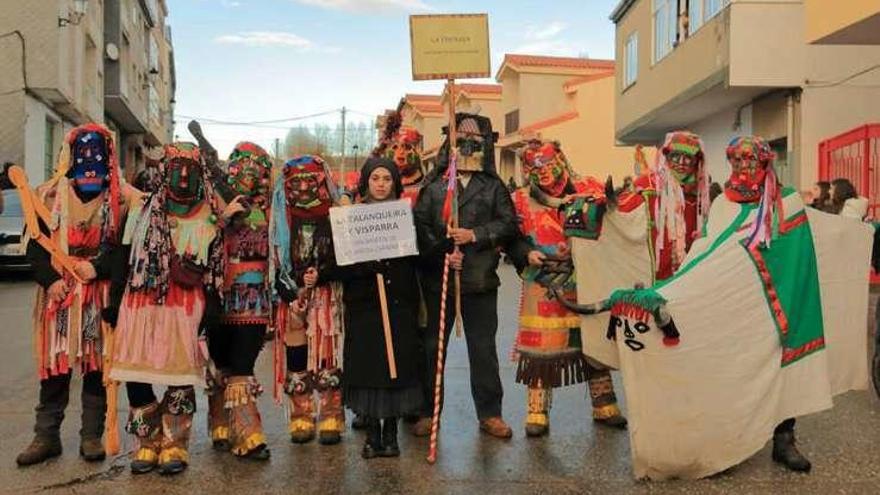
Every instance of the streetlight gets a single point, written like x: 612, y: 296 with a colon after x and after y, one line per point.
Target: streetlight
x: 80, y: 7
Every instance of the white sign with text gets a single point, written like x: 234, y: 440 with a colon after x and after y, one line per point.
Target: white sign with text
x: 369, y: 232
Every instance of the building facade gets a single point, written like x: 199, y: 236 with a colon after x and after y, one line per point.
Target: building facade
x: 723, y: 68
x: 57, y: 57
x: 569, y: 100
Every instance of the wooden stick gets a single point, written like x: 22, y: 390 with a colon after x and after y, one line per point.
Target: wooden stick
x: 438, y: 377
x: 386, y: 324
x: 111, y: 424
x: 453, y: 137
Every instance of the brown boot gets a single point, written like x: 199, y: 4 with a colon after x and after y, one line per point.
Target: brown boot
x: 605, y: 410
x: 301, y: 423
x: 422, y: 427
x: 179, y: 406
x: 40, y: 449
x: 496, y: 427
x: 218, y: 418
x: 538, y: 418
x: 92, y: 450
x: 331, y: 416
x: 145, y: 423
x: 245, y: 427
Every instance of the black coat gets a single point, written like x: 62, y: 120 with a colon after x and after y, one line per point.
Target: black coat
x: 364, y: 362
x: 484, y: 206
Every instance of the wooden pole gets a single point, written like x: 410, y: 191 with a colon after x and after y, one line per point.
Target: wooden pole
x: 453, y: 136
x: 438, y: 377
x: 386, y: 324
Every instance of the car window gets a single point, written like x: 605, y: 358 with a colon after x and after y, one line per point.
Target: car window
x: 11, y: 204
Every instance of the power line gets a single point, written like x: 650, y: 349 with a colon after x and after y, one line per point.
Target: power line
x: 258, y: 122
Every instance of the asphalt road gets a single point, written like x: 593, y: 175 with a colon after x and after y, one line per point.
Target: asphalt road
x: 843, y: 444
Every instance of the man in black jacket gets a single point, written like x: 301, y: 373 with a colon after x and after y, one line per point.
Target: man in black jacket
x: 487, y: 221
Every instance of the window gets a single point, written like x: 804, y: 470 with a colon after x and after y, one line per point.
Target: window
x: 701, y: 11
x: 153, y: 105
x: 49, y: 148
x: 665, y: 27
x: 631, y: 60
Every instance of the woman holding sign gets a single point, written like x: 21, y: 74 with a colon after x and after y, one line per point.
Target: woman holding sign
x: 380, y: 378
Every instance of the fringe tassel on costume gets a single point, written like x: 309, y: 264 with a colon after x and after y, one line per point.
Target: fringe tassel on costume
x: 551, y: 371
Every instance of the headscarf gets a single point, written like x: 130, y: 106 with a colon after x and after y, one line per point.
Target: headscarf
x: 370, y: 166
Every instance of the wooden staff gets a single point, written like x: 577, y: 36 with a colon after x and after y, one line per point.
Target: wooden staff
x: 111, y: 424
x: 438, y: 378
x: 32, y: 208
x: 452, y: 141
x: 386, y: 324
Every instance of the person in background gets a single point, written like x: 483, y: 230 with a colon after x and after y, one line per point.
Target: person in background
x: 821, y: 195
x: 714, y: 190
x: 845, y: 201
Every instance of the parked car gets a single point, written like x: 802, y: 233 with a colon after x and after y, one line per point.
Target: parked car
x: 11, y: 228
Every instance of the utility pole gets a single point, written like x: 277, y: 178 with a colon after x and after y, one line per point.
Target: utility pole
x: 278, y: 149
x: 342, y: 158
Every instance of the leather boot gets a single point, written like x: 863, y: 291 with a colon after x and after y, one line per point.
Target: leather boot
x: 605, y: 410
x: 245, y: 426
x: 94, y: 411
x: 785, y: 452
x: 179, y: 405
x: 496, y: 426
x: 389, y: 438
x: 373, y: 442
x: 54, y: 396
x: 39, y: 450
x: 538, y: 418
x: 331, y: 416
x: 301, y: 423
x: 218, y: 418
x: 145, y: 423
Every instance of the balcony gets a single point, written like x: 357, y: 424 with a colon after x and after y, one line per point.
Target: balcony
x: 731, y: 59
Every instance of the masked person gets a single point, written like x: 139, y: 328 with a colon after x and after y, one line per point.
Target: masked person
x: 677, y: 196
x: 235, y: 343
x: 487, y: 222
x: 548, y: 343
x: 309, y: 315
x: 86, y: 196
x: 176, y: 268
x: 404, y: 146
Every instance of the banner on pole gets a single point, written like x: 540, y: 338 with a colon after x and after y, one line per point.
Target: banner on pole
x: 369, y: 232
x: 449, y: 46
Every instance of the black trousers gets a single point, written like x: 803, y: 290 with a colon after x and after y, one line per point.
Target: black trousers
x: 234, y: 348
x: 141, y: 394
x: 480, y: 318
x: 54, y: 397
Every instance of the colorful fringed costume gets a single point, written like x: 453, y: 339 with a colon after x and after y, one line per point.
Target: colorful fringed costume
x: 235, y: 342
x: 309, y: 321
x: 177, y: 263
x: 643, y: 235
x: 676, y: 195
x: 87, y: 200
x: 548, y: 343
x: 766, y: 318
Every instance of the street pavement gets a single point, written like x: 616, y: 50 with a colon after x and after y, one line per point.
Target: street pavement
x: 577, y: 457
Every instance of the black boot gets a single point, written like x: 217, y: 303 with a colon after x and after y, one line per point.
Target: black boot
x: 389, y: 438
x: 373, y: 443
x: 785, y: 452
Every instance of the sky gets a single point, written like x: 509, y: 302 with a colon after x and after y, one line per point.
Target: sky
x: 266, y: 60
